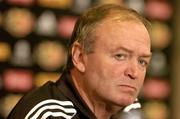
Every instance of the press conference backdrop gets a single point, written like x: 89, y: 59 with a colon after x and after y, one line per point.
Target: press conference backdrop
x: 33, y: 48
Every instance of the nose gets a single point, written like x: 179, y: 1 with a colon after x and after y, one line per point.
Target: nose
x: 132, y: 70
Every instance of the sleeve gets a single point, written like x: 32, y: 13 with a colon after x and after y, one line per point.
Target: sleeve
x: 26, y: 103
x: 44, y: 104
x: 16, y: 113
x: 44, y: 109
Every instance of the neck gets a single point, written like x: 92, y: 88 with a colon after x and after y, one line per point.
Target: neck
x: 101, y: 109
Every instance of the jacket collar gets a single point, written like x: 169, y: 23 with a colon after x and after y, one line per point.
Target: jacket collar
x: 68, y: 89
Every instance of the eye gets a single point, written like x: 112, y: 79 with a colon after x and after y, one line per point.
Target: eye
x: 120, y: 56
x: 143, y: 62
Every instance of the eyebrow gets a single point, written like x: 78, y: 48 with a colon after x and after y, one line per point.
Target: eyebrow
x: 145, y: 55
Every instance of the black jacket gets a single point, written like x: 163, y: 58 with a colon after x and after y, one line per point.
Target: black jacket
x: 58, y: 100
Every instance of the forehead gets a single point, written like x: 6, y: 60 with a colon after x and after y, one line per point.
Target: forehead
x: 114, y: 33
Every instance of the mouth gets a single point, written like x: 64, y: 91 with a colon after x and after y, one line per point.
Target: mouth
x: 128, y: 87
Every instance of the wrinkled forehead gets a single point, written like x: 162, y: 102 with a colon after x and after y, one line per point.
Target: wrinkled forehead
x: 127, y: 17
x: 115, y: 30
x: 121, y: 23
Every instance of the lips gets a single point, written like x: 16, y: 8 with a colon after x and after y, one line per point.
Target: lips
x: 129, y: 87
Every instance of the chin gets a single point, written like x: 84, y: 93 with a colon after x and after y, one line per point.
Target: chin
x: 126, y: 100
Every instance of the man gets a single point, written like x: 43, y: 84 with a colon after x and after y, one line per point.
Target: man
x: 108, y: 56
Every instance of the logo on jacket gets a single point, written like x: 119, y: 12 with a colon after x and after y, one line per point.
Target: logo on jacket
x: 52, y: 108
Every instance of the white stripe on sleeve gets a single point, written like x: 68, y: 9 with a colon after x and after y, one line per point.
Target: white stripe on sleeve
x: 56, y: 114
x: 45, y: 102
x: 44, y: 108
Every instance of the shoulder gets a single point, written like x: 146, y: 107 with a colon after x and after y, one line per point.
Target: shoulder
x: 52, y: 108
x: 42, y: 103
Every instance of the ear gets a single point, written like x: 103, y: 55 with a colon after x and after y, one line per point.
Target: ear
x: 78, y: 57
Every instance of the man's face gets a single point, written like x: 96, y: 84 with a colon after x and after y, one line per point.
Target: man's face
x: 115, y: 71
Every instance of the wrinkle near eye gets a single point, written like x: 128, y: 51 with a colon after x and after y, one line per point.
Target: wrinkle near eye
x: 143, y: 62
x: 120, y: 56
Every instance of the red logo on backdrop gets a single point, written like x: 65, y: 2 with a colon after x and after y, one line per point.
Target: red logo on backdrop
x: 18, y: 80
x: 156, y: 88
x: 21, y: 2
x: 66, y: 26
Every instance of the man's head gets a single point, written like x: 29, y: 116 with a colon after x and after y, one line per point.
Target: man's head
x: 109, y: 54
x: 85, y: 26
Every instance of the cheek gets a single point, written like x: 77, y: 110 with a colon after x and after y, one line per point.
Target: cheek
x: 116, y: 71
x: 142, y: 77
x: 140, y: 83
